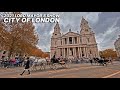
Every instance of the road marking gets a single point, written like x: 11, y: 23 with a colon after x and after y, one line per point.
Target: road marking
x: 63, y: 75
x: 53, y: 72
x: 111, y: 75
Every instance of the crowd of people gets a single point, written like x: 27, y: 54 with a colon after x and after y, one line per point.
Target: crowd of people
x: 13, y: 62
x: 19, y: 62
x: 28, y: 62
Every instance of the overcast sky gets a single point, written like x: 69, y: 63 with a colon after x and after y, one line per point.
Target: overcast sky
x: 106, y: 26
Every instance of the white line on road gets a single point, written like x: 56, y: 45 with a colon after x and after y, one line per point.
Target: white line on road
x: 111, y: 75
x: 58, y: 71
x: 62, y: 75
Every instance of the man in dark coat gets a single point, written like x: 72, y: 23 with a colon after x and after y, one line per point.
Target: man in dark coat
x: 27, y: 66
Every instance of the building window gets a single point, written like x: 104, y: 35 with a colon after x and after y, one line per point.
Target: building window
x: 61, y: 42
x: 80, y: 40
x: 55, y: 34
x: 65, y: 41
x: 75, y: 40
x: 70, y: 40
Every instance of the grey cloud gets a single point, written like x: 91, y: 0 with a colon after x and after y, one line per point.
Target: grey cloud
x: 99, y: 22
x: 106, y: 25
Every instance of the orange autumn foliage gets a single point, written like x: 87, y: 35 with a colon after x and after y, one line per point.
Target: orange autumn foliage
x: 108, y: 53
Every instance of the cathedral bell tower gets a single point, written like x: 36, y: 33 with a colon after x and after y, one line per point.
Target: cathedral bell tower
x: 56, y: 32
x: 88, y: 39
x: 55, y: 40
x: 87, y: 34
x: 85, y: 28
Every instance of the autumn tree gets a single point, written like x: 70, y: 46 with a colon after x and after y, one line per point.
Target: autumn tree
x: 38, y: 53
x: 45, y: 55
x: 22, y: 37
x: 4, y: 36
x: 108, y: 53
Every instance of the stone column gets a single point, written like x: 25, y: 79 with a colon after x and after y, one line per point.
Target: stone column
x: 75, y: 51
x: 67, y: 52
x: 93, y: 53
x: 87, y: 52
x: 58, y: 52
x: 84, y: 51
x: 78, y: 52
x: 68, y: 40
x: 64, y: 53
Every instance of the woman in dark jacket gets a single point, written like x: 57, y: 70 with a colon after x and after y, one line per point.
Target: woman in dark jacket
x: 27, y: 66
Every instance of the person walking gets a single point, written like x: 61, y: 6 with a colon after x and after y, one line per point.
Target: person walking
x: 27, y: 66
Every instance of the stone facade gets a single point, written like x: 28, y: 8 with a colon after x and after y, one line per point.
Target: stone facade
x: 74, y: 44
x: 117, y: 46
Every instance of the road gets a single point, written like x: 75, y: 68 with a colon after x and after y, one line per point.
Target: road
x: 85, y: 70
